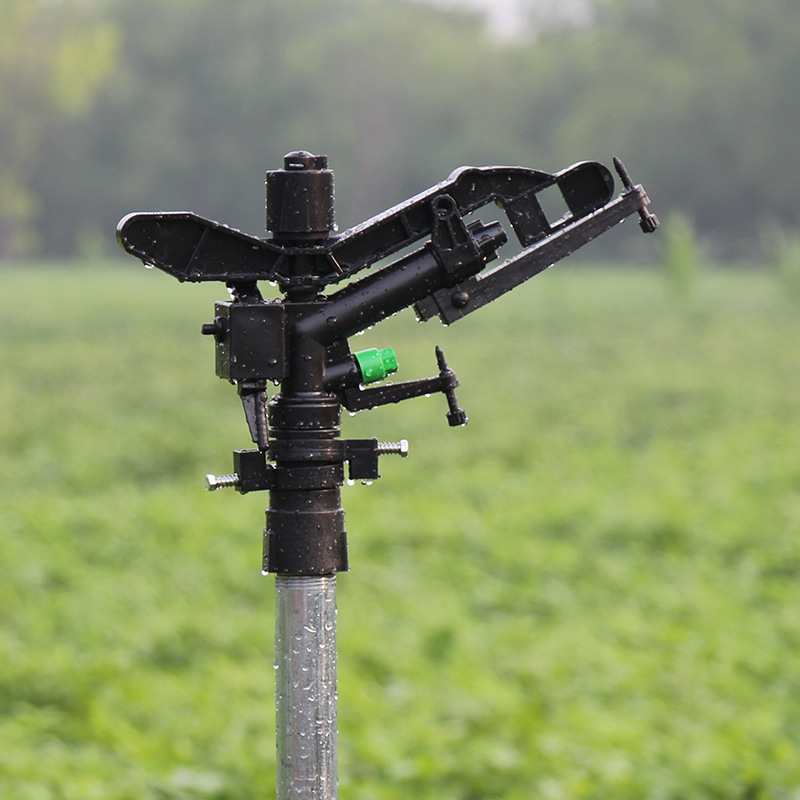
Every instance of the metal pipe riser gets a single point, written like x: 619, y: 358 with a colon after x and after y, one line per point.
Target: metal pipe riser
x: 305, y: 687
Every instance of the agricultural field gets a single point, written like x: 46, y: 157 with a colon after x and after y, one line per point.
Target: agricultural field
x: 591, y: 591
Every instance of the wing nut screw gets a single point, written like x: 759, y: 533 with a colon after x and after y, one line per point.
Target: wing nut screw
x: 396, y: 448
x: 214, y: 482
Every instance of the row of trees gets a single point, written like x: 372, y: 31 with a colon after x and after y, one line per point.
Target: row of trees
x: 109, y: 106
x: 53, y: 60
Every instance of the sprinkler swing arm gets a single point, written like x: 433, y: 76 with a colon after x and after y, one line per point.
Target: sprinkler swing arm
x: 192, y: 248
x: 300, y: 343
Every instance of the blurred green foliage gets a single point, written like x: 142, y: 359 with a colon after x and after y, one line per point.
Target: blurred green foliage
x: 680, y: 257
x: 591, y: 591
x: 699, y: 99
x: 782, y: 252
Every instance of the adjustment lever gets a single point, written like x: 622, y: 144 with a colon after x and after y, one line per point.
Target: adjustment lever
x: 354, y: 399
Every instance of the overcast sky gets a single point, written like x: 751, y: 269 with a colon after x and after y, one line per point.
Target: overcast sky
x: 504, y: 15
x: 506, y: 19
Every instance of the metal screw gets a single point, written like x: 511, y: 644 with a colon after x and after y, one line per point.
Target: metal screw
x: 214, y: 482
x: 647, y: 222
x: 397, y: 448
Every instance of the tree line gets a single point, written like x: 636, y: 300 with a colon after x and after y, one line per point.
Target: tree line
x: 109, y: 107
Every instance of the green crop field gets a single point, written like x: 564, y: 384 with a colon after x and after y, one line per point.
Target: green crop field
x: 591, y: 591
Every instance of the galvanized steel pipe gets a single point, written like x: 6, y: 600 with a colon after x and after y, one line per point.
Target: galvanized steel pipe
x: 305, y: 687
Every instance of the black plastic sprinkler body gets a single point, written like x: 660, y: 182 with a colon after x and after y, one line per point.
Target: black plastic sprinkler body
x: 301, y: 344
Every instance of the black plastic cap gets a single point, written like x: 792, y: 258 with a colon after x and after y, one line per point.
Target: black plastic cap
x: 300, y: 198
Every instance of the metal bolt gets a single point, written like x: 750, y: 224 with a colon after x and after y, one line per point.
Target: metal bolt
x: 648, y: 222
x: 214, y: 482
x: 397, y: 448
x: 218, y: 328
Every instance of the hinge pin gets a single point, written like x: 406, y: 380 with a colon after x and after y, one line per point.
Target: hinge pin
x: 214, y: 482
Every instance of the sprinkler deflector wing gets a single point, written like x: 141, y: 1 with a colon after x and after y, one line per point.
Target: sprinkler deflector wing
x: 301, y: 342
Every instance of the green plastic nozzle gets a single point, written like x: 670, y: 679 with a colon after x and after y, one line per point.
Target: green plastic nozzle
x: 376, y: 364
